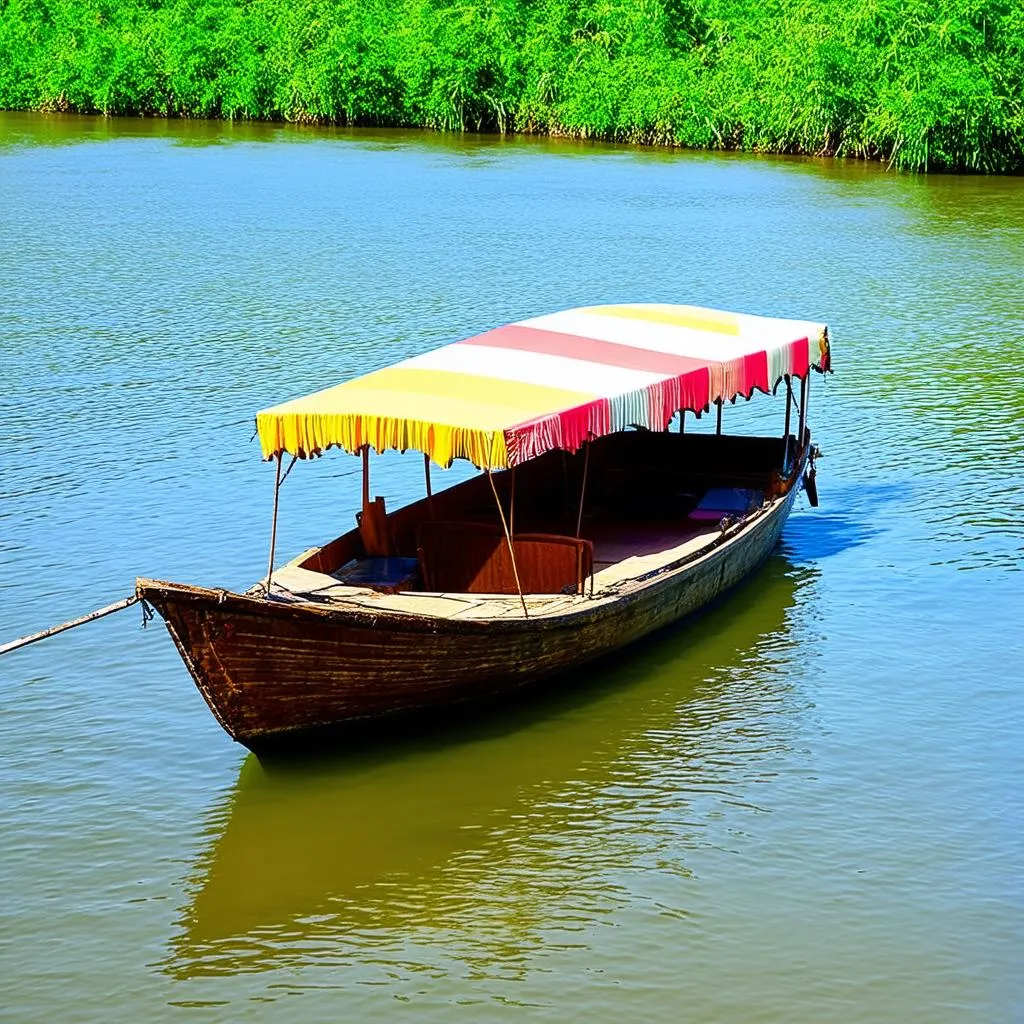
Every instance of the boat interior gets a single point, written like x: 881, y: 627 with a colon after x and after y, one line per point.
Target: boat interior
x: 648, y: 500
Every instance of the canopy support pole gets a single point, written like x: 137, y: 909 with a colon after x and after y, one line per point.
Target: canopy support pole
x: 366, y: 475
x: 373, y: 520
x: 682, y: 421
x: 583, y: 490
x: 718, y: 425
x: 785, y: 431
x: 805, y: 394
x: 508, y: 540
x: 273, y: 524
x: 430, y: 492
x: 512, y: 505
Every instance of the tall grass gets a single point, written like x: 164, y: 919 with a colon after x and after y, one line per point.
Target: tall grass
x: 924, y: 84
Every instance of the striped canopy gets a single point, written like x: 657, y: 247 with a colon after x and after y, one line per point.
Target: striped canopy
x: 511, y: 394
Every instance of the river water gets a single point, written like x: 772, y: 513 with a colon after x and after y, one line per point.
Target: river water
x: 807, y: 805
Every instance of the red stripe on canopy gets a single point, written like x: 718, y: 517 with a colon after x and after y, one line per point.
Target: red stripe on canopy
x: 567, y: 429
x: 590, y: 350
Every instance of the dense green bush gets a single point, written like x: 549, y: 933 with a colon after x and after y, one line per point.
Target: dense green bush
x: 922, y: 83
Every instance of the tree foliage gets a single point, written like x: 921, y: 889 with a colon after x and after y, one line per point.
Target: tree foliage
x: 922, y: 83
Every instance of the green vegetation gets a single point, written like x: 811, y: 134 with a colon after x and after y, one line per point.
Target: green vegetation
x: 923, y: 83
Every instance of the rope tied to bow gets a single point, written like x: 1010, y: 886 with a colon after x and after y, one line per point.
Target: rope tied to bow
x: 147, y: 615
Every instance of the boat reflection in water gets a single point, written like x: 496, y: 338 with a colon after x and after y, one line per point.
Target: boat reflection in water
x: 483, y: 831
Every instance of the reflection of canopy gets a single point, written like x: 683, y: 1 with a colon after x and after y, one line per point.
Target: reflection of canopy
x: 551, y: 382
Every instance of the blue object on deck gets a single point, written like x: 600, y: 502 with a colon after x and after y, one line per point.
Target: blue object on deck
x: 389, y: 574
x: 723, y: 501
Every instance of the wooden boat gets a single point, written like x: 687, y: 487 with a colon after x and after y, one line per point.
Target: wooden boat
x: 591, y: 525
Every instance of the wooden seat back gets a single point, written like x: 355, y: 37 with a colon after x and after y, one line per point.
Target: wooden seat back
x: 473, y: 558
x: 373, y: 529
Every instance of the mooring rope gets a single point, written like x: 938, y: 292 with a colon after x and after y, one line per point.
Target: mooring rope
x: 80, y: 621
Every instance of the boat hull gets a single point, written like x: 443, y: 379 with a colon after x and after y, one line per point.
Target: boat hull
x: 272, y: 672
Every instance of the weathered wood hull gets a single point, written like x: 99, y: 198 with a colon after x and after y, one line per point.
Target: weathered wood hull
x: 273, y: 671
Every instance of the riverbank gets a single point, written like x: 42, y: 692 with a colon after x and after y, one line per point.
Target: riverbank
x: 925, y: 84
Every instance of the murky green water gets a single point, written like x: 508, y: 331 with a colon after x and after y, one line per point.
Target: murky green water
x: 806, y: 806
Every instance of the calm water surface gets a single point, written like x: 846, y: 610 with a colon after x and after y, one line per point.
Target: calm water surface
x: 806, y: 806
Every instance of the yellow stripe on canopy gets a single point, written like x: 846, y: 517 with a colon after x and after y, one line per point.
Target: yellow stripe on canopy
x: 693, y: 317
x: 446, y: 414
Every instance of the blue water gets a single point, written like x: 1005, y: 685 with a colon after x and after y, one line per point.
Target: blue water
x: 805, y: 806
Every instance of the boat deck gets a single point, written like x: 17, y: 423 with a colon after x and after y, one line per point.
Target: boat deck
x: 623, y: 553
x: 653, y: 500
